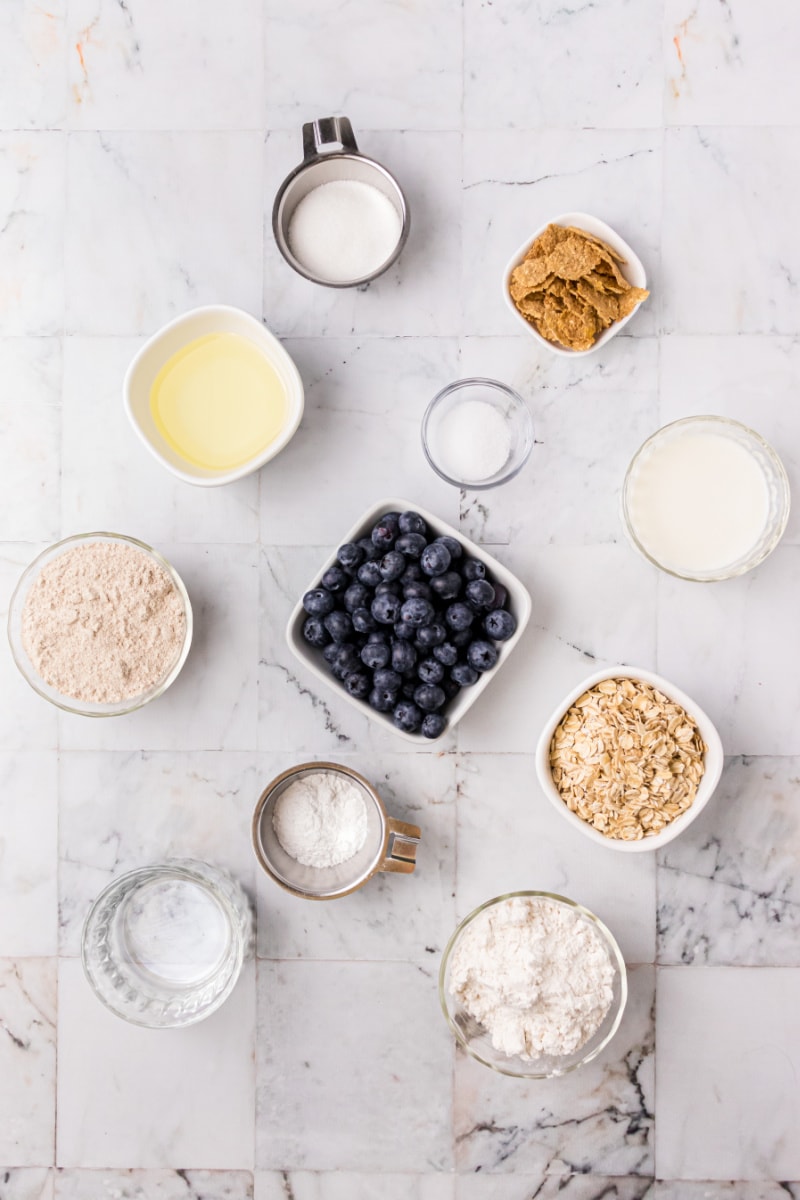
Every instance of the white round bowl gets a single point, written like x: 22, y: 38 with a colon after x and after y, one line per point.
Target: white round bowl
x: 713, y: 761
x: 142, y: 372
x: 632, y: 269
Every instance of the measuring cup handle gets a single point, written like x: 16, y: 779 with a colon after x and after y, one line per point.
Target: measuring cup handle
x: 401, y: 855
x: 321, y: 135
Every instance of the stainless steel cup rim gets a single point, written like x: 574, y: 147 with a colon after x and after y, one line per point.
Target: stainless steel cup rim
x: 397, y: 851
x: 316, y: 134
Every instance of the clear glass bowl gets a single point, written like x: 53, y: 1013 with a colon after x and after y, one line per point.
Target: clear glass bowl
x: 774, y: 476
x: 163, y: 946
x: 26, y: 667
x: 504, y: 400
x: 476, y: 1041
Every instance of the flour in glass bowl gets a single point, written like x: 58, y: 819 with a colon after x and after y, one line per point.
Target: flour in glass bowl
x: 535, y: 974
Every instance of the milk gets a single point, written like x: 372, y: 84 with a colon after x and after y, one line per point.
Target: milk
x: 697, y: 501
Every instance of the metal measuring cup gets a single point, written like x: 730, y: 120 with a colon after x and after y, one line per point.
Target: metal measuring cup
x: 330, y: 153
x: 390, y: 845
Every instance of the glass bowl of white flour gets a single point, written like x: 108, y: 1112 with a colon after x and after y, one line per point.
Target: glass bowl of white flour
x: 533, y: 985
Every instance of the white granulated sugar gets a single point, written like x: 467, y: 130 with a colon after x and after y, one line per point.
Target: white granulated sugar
x: 103, y: 623
x: 472, y: 441
x: 344, y: 230
x: 321, y: 819
x: 536, y: 975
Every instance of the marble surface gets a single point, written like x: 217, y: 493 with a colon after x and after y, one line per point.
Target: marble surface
x: 141, y: 144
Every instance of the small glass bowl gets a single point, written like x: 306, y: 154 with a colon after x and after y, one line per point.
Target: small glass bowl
x: 477, y: 1042
x: 774, y: 476
x: 504, y: 400
x: 86, y: 708
x: 126, y: 960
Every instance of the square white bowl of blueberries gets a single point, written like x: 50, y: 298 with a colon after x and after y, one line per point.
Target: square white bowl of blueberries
x: 408, y: 620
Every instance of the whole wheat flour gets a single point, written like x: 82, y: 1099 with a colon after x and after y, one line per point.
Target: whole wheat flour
x: 103, y: 623
x: 321, y: 819
x: 535, y: 974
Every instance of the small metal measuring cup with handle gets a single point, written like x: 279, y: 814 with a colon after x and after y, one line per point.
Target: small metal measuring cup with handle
x: 390, y: 845
x: 330, y: 152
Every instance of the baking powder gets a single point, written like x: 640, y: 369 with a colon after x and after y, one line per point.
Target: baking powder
x: 535, y: 974
x: 321, y: 819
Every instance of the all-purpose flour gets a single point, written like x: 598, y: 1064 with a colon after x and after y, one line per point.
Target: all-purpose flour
x: 321, y: 819
x: 535, y: 974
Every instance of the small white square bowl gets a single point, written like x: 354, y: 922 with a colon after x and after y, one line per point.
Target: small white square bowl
x: 714, y: 758
x: 519, y: 605
x: 141, y: 374
x: 633, y: 271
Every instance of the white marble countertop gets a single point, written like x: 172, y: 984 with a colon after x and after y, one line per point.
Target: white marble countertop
x: 141, y: 143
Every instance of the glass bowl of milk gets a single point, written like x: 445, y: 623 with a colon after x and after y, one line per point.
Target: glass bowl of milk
x: 705, y: 499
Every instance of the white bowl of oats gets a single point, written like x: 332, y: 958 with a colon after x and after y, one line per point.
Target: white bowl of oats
x: 629, y: 759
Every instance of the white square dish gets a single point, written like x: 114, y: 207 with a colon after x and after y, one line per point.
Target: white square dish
x: 633, y: 271
x: 157, y: 350
x: 519, y: 605
x: 713, y: 761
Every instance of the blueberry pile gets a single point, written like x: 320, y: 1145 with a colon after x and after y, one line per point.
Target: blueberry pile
x: 405, y: 620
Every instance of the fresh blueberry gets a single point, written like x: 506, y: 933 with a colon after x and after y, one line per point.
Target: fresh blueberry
x: 404, y: 657
x: 500, y: 596
x: 480, y: 594
x: 355, y: 597
x: 405, y: 631
x: 375, y: 655
x: 446, y: 586
x: 450, y: 687
x: 350, y: 556
x: 431, y: 635
x: 370, y: 551
x: 385, y: 531
x: 435, y: 559
x: 347, y: 657
x: 471, y: 569
x: 433, y: 725
x: 336, y: 579
x: 339, y: 626
x: 430, y: 671
x: 389, y: 588
x: 387, y: 679
x: 363, y: 620
x: 417, y: 612
x: 407, y: 716
x: 446, y: 653
x: 386, y: 608
x: 429, y: 697
x: 454, y: 547
x: 330, y: 651
x: 500, y: 625
x: 408, y: 688
x: 319, y: 602
x: 459, y: 616
x: 315, y: 632
x: 481, y: 655
x: 379, y: 635
x: 393, y: 565
x: 464, y: 675
x: 411, y: 522
x: 411, y: 544
x: 357, y: 684
x: 417, y: 591
x: 369, y: 573
x: 461, y: 638
x: 381, y: 700
x: 412, y: 574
